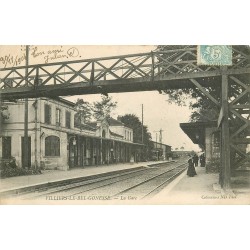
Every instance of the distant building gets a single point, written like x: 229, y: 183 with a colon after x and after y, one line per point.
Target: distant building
x: 161, y: 151
x: 178, y: 153
x: 56, y: 143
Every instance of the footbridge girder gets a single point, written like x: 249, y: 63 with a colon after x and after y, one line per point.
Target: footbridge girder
x: 158, y: 70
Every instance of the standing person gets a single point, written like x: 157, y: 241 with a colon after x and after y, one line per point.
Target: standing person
x: 202, y: 160
x: 12, y: 162
x: 196, y: 160
x: 191, y: 170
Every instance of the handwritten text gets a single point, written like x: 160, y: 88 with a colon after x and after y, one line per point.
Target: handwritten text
x: 44, y: 56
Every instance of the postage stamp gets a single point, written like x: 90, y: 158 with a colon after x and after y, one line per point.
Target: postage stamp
x: 214, y: 55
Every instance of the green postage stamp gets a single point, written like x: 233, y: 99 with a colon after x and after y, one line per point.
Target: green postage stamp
x: 220, y: 55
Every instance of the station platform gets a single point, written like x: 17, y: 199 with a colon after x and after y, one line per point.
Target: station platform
x: 204, y: 189
x: 49, y: 176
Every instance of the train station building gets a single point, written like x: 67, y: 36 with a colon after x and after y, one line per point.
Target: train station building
x: 207, y: 136
x: 56, y: 143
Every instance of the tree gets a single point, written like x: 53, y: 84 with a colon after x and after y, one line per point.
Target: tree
x: 133, y: 122
x: 104, y: 107
x: 4, y: 112
x: 202, y: 108
x: 84, y: 112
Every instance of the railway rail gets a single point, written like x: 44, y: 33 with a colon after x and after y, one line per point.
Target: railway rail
x: 140, y: 183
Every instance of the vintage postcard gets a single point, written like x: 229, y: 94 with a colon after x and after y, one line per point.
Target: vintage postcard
x: 151, y: 124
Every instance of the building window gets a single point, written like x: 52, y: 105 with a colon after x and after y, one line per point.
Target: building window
x: 125, y: 134
x: 104, y: 134
x: 6, y: 147
x: 52, y: 146
x: 68, y: 118
x: 58, y: 117
x: 47, y: 113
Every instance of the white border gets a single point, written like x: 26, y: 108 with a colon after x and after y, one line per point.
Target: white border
x: 124, y: 22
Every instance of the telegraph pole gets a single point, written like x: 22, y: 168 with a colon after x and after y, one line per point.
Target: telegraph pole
x: 160, y: 136
x: 142, y: 139
x: 160, y: 140
x: 26, y: 115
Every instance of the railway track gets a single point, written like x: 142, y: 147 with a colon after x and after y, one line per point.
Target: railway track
x: 138, y: 187
x: 153, y: 185
x: 140, y: 183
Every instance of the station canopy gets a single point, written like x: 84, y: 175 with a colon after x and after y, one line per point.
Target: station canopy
x: 196, y: 130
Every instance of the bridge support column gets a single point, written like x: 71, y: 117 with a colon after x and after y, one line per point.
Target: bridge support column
x: 225, y: 174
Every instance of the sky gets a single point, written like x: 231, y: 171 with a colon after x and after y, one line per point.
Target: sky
x: 158, y: 113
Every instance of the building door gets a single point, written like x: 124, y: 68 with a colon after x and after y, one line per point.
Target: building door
x: 6, y: 147
x: 29, y: 152
x: 82, y: 153
x: 104, y: 152
x: 73, y: 153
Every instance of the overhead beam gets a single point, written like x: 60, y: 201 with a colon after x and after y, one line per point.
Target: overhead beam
x: 221, y: 116
x: 178, y: 81
x: 206, y: 93
x: 111, y: 86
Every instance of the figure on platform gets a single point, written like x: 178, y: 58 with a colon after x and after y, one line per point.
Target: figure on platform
x: 195, y: 160
x: 12, y: 162
x: 191, y: 170
x: 202, y: 160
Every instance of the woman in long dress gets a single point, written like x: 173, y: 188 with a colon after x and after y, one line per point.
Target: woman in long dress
x: 191, y: 170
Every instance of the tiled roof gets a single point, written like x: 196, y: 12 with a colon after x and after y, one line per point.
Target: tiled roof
x: 87, y: 127
x: 115, y: 134
x: 114, y: 122
x: 60, y: 99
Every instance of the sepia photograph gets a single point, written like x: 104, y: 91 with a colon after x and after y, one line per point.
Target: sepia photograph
x: 125, y: 124
x: 122, y: 126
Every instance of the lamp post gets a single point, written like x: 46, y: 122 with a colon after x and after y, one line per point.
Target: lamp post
x: 74, y: 141
x: 26, y: 115
x: 112, y: 155
x: 142, y: 139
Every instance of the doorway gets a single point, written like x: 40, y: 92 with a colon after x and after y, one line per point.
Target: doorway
x: 29, y: 152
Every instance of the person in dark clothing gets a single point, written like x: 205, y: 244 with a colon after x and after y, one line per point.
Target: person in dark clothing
x: 195, y: 160
x: 202, y: 160
x: 12, y: 162
x: 191, y: 170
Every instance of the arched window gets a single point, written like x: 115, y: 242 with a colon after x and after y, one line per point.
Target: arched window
x: 52, y: 146
x: 103, y: 133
